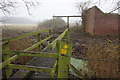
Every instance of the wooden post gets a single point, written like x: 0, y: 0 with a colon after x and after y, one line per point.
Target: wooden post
x: 68, y: 18
x: 6, y: 55
x: 65, y: 49
x: 39, y: 39
x: 68, y: 35
x: 52, y: 74
x: 68, y: 22
x: 50, y: 33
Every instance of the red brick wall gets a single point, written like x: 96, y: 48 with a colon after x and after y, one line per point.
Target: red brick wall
x: 100, y: 23
x: 90, y: 20
x: 105, y: 23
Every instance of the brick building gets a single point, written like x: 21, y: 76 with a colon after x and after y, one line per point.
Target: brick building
x: 96, y: 22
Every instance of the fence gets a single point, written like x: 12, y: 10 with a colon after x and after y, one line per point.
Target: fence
x: 63, y: 55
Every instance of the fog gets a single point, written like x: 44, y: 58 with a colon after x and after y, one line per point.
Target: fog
x: 48, y: 8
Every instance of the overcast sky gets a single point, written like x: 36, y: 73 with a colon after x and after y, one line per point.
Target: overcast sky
x: 48, y: 8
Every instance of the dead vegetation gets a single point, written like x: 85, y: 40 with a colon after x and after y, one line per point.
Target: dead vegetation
x: 106, y: 63
x: 21, y: 44
x: 101, y: 52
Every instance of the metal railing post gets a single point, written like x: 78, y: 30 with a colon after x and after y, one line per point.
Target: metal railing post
x: 6, y: 56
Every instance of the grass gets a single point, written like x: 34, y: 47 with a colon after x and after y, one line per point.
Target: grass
x: 19, y: 26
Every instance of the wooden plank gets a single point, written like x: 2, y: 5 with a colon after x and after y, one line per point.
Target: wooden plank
x: 52, y: 74
x: 23, y: 36
x: 50, y: 33
x: 19, y: 75
x: 39, y: 39
x: 46, y: 47
x: 53, y: 44
x: 68, y: 16
x: 37, y: 44
x: 35, y: 54
x: 30, y: 68
x: 5, y: 63
x: 6, y: 56
x: 65, y: 49
x: 67, y: 36
x: 76, y: 72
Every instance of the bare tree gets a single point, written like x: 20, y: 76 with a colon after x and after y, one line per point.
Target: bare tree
x: 116, y: 6
x: 84, y: 5
x: 8, y: 6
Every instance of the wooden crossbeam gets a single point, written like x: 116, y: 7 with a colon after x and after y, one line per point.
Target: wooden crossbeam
x: 23, y: 36
x: 37, y: 44
x: 69, y: 16
x: 53, y: 44
x: 5, y: 63
x: 35, y: 54
x: 30, y: 68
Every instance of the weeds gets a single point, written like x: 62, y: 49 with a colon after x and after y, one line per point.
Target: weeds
x: 102, y: 52
x: 107, y: 67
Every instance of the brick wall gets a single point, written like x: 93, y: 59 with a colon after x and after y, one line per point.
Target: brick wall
x: 101, y: 23
x: 90, y: 20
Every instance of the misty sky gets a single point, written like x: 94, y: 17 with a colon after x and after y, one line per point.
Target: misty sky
x: 48, y: 8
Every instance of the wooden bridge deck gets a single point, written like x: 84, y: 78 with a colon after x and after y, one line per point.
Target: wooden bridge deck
x: 38, y: 62
x: 43, y: 62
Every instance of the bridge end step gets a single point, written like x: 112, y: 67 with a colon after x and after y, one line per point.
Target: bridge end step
x: 21, y: 74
